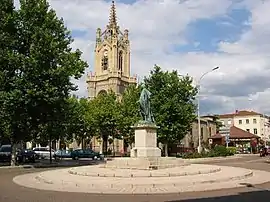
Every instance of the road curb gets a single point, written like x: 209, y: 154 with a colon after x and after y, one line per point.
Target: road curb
x: 14, y: 167
x: 209, y: 159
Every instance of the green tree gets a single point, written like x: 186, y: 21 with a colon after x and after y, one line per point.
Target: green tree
x: 79, y: 124
x: 37, y: 64
x: 13, y: 120
x: 129, y: 108
x: 105, y: 115
x: 50, y: 61
x: 172, y: 102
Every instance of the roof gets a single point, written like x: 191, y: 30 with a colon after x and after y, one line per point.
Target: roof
x: 239, y: 113
x: 204, y: 120
x: 237, y: 133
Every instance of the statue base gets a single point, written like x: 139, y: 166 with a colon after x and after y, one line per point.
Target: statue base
x: 145, y: 155
x: 145, y: 141
x: 144, y: 163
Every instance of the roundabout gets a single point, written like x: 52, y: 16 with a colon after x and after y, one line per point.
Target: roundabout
x: 100, y: 180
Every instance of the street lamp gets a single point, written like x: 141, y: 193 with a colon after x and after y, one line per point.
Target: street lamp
x: 198, y: 107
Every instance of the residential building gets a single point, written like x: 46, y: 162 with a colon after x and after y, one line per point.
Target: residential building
x: 244, y: 141
x: 250, y: 121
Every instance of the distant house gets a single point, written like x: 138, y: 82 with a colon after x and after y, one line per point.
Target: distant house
x: 250, y: 121
x: 241, y: 139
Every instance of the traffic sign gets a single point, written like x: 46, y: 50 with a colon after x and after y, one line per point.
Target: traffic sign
x: 227, y: 138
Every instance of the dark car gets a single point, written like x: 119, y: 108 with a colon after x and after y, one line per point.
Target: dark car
x: 59, y: 154
x: 22, y: 155
x: 85, y: 153
x: 26, y: 155
x: 263, y: 151
x: 5, y: 153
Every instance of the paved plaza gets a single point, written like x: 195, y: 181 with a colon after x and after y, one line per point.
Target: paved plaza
x: 10, y: 191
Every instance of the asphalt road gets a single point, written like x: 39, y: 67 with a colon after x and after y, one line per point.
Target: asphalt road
x: 10, y: 192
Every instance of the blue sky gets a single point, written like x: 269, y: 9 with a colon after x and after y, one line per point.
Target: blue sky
x: 207, y: 33
x: 191, y: 36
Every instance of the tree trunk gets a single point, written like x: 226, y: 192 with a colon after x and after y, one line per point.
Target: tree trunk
x: 113, y: 146
x: 13, y: 154
x: 166, y: 149
x: 105, y: 145
x: 50, y: 147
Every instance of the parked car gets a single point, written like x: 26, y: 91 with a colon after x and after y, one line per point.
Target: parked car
x: 85, y: 153
x: 5, y: 153
x: 26, y: 155
x: 59, y: 154
x: 264, y: 151
x: 267, y: 149
x: 43, y: 152
x: 22, y: 155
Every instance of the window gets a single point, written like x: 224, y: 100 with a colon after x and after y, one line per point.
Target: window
x: 201, y: 133
x: 5, y: 148
x: 247, y: 121
x: 104, y: 61
x: 210, y: 131
x: 230, y: 122
x: 255, y: 121
x: 240, y: 121
x: 255, y: 130
x: 120, y: 61
x: 247, y: 130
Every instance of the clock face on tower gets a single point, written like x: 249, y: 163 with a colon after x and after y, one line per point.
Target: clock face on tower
x: 105, y: 53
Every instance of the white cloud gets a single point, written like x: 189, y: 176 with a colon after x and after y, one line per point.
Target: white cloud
x: 156, y: 25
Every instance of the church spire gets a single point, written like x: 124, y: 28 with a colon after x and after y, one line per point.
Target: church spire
x: 113, y: 20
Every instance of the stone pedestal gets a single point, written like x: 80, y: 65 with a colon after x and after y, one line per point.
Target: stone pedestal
x: 145, y: 142
x: 145, y: 155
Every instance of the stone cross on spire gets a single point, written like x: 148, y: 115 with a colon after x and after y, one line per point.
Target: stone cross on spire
x: 113, y: 20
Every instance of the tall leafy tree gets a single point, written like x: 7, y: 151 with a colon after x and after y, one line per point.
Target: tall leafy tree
x: 79, y: 123
x: 14, y: 122
x: 105, y: 114
x: 129, y: 108
x: 172, y: 104
x: 36, y: 69
x: 50, y: 60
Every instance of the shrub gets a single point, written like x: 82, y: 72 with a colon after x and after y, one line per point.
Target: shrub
x: 215, y: 152
x: 192, y: 155
x: 232, y: 150
x: 221, y: 150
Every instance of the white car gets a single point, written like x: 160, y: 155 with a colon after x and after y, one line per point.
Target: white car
x: 43, y: 152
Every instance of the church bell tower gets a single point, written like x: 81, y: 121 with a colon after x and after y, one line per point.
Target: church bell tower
x: 112, y: 60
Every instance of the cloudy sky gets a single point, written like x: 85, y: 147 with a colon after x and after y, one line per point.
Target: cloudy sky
x: 192, y: 36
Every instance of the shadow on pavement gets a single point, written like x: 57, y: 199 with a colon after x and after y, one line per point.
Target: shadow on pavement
x: 57, y: 164
x: 241, y: 197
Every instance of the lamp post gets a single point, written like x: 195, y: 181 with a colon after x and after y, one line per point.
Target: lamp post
x: 198, y: 107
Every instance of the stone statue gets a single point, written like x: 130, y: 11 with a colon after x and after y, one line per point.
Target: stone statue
x: 145, y: 108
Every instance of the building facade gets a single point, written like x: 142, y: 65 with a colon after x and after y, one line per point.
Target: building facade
x: 250, y: 121
x: 111, y: 69
x: 112, y: 60
x: 208, y: 129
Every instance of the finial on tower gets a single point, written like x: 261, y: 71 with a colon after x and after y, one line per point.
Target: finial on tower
x: 113, y: 20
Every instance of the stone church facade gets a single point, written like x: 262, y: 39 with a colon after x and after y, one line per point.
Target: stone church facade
x: 111, y: 68
x: 112, y: 60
